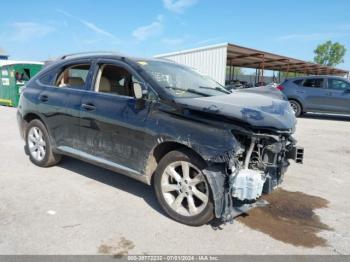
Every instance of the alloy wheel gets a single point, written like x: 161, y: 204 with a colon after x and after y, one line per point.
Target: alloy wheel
x: 36, y: 144
x: 294, y: 107
x: 184, y: 188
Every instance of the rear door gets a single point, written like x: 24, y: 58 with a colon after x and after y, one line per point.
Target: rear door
x: 60, y: 102
x: 338, y: 95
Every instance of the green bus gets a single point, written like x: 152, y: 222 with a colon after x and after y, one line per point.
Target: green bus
x: 13, y: 77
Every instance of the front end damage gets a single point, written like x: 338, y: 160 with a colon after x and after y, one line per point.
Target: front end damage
x: 256, y: 168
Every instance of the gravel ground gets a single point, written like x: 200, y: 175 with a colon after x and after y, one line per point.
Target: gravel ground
x: 77, y: 208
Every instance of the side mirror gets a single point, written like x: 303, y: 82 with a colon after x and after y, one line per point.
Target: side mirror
x: 138, y: 91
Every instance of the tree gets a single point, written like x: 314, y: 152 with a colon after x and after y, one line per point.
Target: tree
x: 238, y: 71
x: 291, y: 74
x: 329, y: 54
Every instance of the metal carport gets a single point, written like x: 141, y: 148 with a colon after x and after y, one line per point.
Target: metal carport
x: 214, y: 60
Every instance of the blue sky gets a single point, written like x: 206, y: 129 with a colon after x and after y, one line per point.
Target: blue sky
x: 39, y: 30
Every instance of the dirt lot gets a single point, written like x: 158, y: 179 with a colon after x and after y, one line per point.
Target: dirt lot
x: 77, y: 208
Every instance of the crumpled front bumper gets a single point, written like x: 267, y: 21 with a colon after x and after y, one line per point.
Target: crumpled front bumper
x: 226, y: 207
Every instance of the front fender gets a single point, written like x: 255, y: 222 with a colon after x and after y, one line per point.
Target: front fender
x: 213, y: 144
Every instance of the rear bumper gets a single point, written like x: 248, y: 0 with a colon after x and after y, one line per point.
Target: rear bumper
x: 21, y: 124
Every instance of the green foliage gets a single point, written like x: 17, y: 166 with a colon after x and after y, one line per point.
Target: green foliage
x: 290, y: 74
x: 329, y: 54
x: 237, y: 71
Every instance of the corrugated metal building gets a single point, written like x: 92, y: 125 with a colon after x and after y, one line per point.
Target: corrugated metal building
x: 209, y: 60
x: 214, y: 60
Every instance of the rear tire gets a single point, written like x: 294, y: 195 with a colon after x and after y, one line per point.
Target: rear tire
x: 38, y: 145
x: 182, y: 189
x: 296, y: 106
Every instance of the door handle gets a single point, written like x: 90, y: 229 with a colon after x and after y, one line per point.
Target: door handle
x: 43, y: 98
x: 329, y: 93
x: 88, y: 107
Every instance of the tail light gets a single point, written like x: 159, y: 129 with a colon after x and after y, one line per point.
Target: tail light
x: 280, y: 87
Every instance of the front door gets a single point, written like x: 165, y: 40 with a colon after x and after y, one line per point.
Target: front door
x: 338, y: 95
x: 113, y: 125
x: 315, y: 94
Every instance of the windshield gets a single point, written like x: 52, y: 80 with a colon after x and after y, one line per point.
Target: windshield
x: 181, y: 81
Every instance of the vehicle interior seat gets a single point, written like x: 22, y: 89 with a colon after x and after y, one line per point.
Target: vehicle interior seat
x: 76, y: 81
x: 120, y: 86
x: 115, y: 80
x: 105, y: 85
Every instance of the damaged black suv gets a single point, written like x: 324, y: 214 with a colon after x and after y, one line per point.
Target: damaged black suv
x: 207, y: 152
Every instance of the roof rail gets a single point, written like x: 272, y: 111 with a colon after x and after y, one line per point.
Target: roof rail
x: 89, y: 53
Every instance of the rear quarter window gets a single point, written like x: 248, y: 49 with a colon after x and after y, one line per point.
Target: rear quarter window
x: 46, y: 79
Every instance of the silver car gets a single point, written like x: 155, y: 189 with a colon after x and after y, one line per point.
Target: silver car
x: 325, y: 94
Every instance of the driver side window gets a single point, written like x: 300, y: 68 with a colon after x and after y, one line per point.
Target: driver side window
x: 338, y: 84
x: 115, y: 80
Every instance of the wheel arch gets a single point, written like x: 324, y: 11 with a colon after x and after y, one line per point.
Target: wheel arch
x: 159, y: 151
x: 27, y: 118
x: 31, y: 116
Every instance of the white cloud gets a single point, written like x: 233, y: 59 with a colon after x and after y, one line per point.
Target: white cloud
x: 178, y: 6
x: 26, y: 31
x: 90, y: 25
x: 143, y: 32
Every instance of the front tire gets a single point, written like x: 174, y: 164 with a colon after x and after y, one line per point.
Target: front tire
x: 296, y: 106
x: 182, y: 189
x: 38, y: 145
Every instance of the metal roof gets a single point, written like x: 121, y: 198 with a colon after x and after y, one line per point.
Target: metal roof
x: 192, y: 50
x: 240, y: 56
x: 14, y: 62
x: 251, y: 58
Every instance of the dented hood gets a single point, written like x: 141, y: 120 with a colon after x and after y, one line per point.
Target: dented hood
x: 257, y: 110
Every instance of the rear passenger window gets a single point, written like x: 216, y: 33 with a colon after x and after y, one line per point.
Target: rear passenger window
x: 316, y: 83
x: 298, y: 82
x: 73, y: 76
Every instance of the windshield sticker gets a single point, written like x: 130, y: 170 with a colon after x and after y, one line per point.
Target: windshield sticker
x: 4, y: 73
x: 143, y: 63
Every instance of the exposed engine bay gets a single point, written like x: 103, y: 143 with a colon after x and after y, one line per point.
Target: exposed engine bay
x: 257, y: 168
x: 264, y: 161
